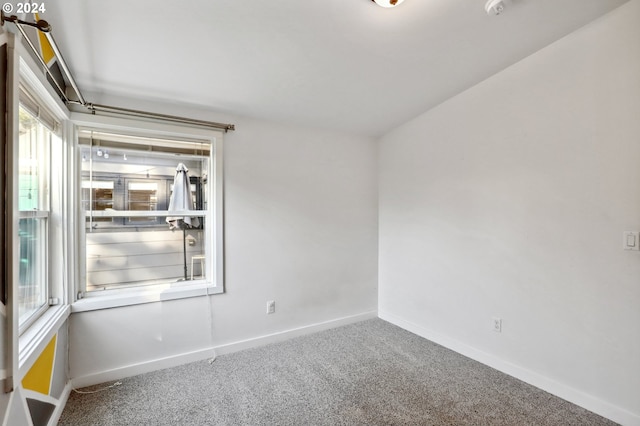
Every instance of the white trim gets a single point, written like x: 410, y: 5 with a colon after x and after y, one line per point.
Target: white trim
x: 214, y: 235
x: 12, y: 215
x: 38, y: 84
x: 294, y: 332
x: 28, y: 393
x: 144, y: 213
x: 216, y: 232
x: 575, y: 396
x: 136, y: 296
x: 33, y: 214
x: 199, y: 355
x: 36, y: 333
x: 141, y: 368
x: 74, y: 231
x: 33, y: 341
x: 194, y: 144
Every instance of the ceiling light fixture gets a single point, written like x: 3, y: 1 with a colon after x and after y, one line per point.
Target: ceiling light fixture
x: 494, y: 7
x: 388, y: 3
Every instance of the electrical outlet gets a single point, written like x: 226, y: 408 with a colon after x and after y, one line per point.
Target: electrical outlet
x: 497, y: 325
x: 631, y: 240
x: 271, y: 306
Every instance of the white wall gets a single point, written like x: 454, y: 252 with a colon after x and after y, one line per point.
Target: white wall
x: 510, y: 200
x: 300, y: 229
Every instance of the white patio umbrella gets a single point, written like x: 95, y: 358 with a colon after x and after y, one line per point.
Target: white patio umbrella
x: 180, y: 202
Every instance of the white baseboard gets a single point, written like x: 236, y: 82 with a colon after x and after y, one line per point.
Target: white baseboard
x: 184, y: 358
x: 294, y: 332
x: 141, y: 368
x: 561, y: 390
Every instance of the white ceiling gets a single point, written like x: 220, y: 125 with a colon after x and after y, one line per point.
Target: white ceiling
x: 345, y: 64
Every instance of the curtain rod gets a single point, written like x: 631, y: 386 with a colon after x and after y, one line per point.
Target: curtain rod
x: 45, y: 28
x: 96, y: 108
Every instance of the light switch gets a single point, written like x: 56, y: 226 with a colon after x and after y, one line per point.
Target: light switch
x: 630, y: 240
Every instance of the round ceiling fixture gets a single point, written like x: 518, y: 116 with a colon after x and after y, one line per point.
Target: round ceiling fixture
x: 494, y: 7
x: 388, y: 3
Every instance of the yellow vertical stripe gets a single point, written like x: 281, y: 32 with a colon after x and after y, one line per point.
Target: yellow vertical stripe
x: 38, y: 378
x: 45, y: 47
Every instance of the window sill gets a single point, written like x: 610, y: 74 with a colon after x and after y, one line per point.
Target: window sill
x: 39, y: 334
x: 128, y: 297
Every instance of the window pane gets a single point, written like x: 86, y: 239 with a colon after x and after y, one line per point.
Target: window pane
x: 33, y: 197
x: 127, y: 188
x: 32, y: 284
x: 32, y: 166
x: 142, y: 196
x: 121, y: 258
x: 98, y: 196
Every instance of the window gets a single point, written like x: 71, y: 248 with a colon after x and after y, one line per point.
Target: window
x: 37, y: 131
x: 98, y: 195
x: 126, y: 185
x: 33, y: 148
x: 142, y: 196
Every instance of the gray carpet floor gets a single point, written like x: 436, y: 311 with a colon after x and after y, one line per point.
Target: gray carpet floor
x: 369, y: 373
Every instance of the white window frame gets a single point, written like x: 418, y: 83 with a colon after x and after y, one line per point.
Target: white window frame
x: 214, y: 249
x: 26, y: 342
x: 55, y: 213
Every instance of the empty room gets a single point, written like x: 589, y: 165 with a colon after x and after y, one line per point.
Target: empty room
x: 363, y: 212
